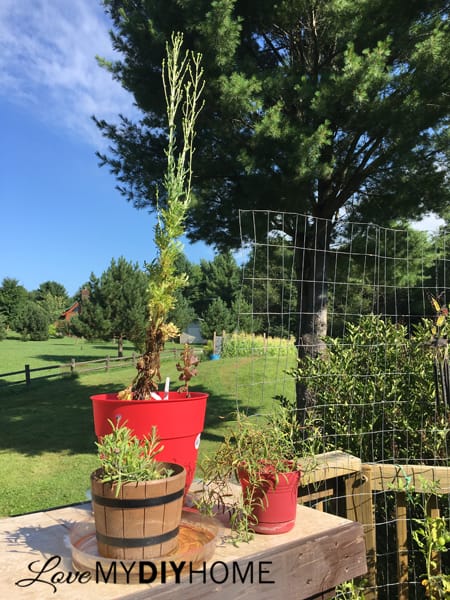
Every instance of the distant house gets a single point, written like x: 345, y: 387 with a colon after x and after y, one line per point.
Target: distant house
x: 70, y: 312
x: 192, y: 334
x: 75, y: 308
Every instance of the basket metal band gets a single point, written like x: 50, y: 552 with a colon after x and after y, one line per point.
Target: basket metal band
x: 137, y: 502
x: 136, y: 542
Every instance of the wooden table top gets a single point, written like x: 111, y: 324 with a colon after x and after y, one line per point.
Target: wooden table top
x: 320, y: 552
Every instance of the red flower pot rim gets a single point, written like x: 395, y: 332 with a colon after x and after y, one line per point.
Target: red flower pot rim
x: 270, y: 470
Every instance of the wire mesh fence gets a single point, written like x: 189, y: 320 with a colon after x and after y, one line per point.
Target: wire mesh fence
x: 365, y: 307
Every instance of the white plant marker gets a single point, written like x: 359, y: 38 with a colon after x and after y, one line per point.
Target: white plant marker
x: 166, y: 388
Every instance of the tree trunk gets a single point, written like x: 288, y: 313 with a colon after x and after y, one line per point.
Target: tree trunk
x: 312, y: 300
x: 120, y: 346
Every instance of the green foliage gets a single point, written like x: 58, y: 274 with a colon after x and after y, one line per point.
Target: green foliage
x: 268, y: 440
x: 431, y: 535
x: 90, y: 323
x: 243, y: 344
x: 53, y: 330
x: 53, y: 288
x: 361, y: 263
x: 269, y: 285
x: 220, y: 278
x: 191, y: 292
x: 53, y: 305
x: 124, y: 458
x: 53, y: 298
x: 116, y: 306
x: 217, y: 318
x: 350, y: 590
x: 182, y: 79
x: 246, y: 320
x: 32, y: 322
x: 182, y: 314
x: 328, y: 108
x: 266, y: 448
x: 439, y: 346
x: 12, y: 300
x: 3, y: 329
x: 311, y: 106
x: 377, y: 378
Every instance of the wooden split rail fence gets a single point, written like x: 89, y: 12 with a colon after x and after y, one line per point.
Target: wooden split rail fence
x: 85, y: 366
x: 74, y: 366
x: 341, y: 480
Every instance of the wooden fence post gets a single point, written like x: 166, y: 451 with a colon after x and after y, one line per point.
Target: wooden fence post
x: 107, y: 363
x: 72, y: 366
x: 27, y: 375
x: 360, y: 507
x: 402, y: 545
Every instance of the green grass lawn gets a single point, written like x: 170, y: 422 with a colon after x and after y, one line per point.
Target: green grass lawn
x: 47, y: 442
x: 15, y: 353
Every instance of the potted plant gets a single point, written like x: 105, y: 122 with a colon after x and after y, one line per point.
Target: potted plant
x: 262, y: 454
x: 179, y: 416
x: 137, y: 500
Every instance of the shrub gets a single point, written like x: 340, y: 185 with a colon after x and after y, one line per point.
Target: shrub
x: 33, y: 322
x: 244, y: 344
x: 373, y: 393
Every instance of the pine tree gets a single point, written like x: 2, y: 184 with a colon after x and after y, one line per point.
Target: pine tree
x: 333, y: 108
x: 116, y: 306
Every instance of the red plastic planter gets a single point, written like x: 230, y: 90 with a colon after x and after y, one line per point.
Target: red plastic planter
x: 179, y: 421
x: 276, y: 507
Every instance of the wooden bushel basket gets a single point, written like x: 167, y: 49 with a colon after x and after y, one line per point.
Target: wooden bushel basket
x: 143, y: 520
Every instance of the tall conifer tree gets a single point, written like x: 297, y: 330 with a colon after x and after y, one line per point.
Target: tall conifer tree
x: 333, y: 108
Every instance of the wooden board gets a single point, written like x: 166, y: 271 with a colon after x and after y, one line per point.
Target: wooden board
x: 388, y: 476
x: 329, y: 465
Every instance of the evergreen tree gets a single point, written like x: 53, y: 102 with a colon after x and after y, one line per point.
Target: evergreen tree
x: 217, y: 318
x: 183, y: 313
x: 193, y: 290
x: 55, y: 289
x: 13, y: 298
x: 220, y: 278
x: 244, y: 316
x: 32, y: 321
x: 52, y: 297
x: 332, y: 108
x: 116, y: 306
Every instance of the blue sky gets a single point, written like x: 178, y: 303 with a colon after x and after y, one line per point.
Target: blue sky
x: 61, y: 216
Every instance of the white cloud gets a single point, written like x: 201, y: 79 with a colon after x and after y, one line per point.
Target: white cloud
x: 48, y: 66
